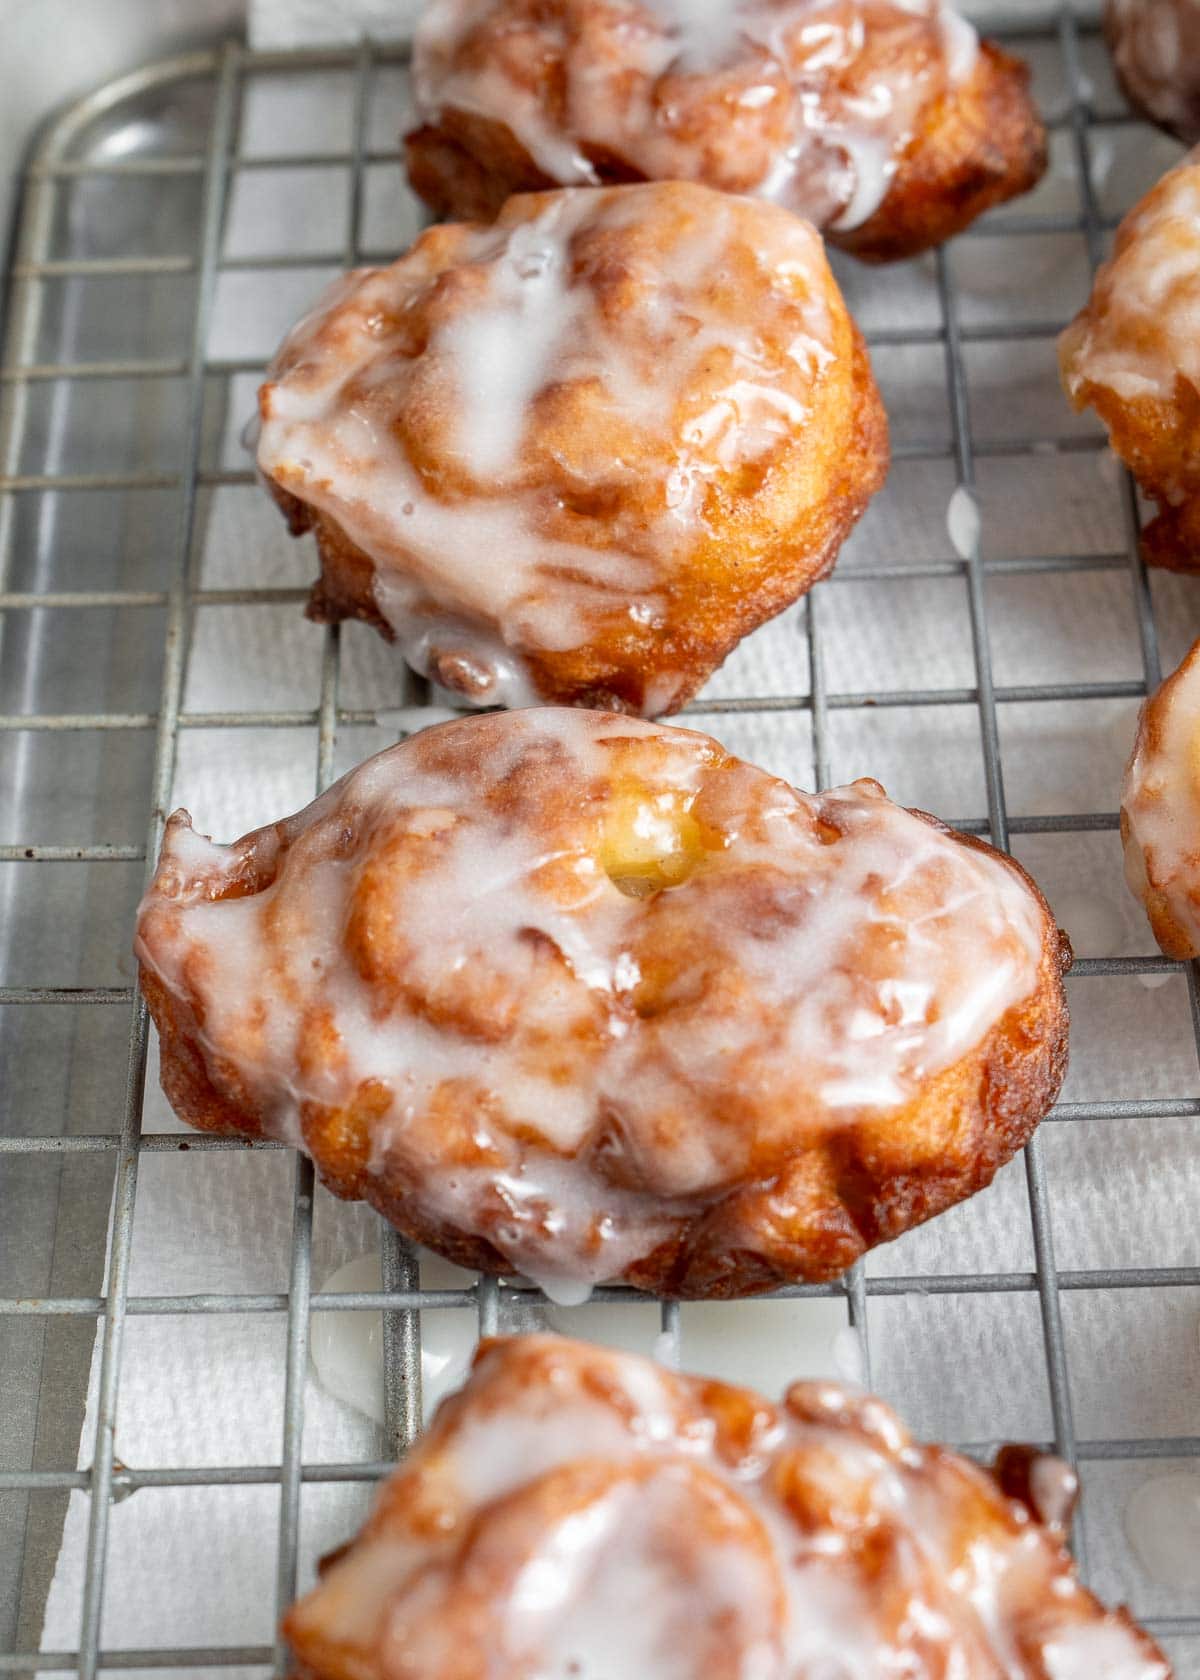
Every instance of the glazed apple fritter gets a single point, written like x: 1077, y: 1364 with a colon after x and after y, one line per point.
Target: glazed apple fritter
x: 1133, y: 354
x: 579, y: 1512
x: 885, y: 122
x: 574, y: 995
x: 1160, y: 811
x: 577, y: 455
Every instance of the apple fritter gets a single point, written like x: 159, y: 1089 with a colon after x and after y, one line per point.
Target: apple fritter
x: 574, y: 995
x: 573, y: 1511
x: 886, y: 122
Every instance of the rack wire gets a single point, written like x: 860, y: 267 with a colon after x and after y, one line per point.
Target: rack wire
x: 54, y: 173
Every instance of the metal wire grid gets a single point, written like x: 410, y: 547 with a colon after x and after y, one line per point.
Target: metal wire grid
x: 402, y: 1298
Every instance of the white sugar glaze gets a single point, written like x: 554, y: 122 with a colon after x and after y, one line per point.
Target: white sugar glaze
x: 1141, y: 329
x: 578, y: 1514
x: 1160, y: 803
x: 964, y: 522
x: 346, y: 1348
x: 446, y: 920
x: 422, y: 440
x: 825, y: 95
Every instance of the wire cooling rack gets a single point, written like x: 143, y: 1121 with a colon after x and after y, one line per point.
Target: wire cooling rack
x: 168, y: 147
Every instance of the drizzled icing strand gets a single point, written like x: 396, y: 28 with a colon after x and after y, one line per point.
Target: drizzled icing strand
x: 576, y: 1514
x: 532, y: 430
x: 569, y: 979
x: 818, y: 99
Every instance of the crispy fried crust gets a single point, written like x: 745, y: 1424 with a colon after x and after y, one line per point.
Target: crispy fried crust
x: 1158, y: 438
x: 677, y: 1525
x: 1131, y: 355
x: 979, y: 146
x: 810, y: 1192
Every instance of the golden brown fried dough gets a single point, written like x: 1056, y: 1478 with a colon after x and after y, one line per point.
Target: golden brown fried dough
x: 1133, y: 354
x: 578, y: 1512
x: 575, y: 995
x: 577, y: 455
x: 1155, y: 46
x: 888, y: 125
x: 1160, y: 811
